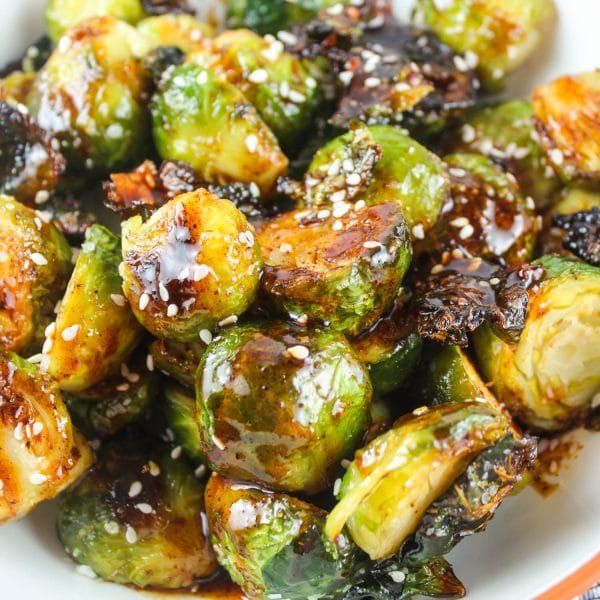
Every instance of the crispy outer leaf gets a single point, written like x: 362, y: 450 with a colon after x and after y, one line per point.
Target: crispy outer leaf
x: 583, y: 233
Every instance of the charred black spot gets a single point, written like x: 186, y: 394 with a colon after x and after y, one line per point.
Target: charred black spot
x: 583, y: 234
x: 160, y: 59
x: 162, y: 7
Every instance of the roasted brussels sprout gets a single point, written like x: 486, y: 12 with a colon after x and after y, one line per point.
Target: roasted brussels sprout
x: 390, y: 349
x: 342, y: 271
x: 191, y: 265
x: 110, y: 405
x: 407, y: 174
x: 64, y: 14
x: 95, y: 329
x: 178, y: 360
x: 274, y: 81
x: 15, y: 87
x: 421, y: 456
x: 202, y: 119
x: 486, y: 217
x: 40, y: 451
x: 281, y: 405
x: 179, y: 30
x: 567, y: 118
x: 499, y: 35
x: 548, y: 378
x: 180, y: 412
x: 92, y: 95
x: 138, y: 518
x: 505, y: 133
x: 34, y: 270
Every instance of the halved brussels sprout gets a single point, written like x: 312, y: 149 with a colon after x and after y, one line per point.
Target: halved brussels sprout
x: 499, y: 34
x: 281, y: 405
x: 180, y: 413
x: 35, y: 262
x: 505, y: 133
x: 191, y: 265
x: 180, y: 30
x: 95, y: 328
x: 487, y: 215
x: 138, y: 518
x: 115, y: 402
x: 274, y: 81
x: 421, y: 456
x: 40, y: 451
x: 342, y: 270
x: 407, y: 174
x: 64, y: 14
x: 567, y: 117
x: 390, y: 350
x: 92, y: 95
x: 549, y: 377
x: 178, y: 360
x: 273, y: 545
x: 202, y: 119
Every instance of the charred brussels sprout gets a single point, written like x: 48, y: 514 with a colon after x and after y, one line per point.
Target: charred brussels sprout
x: 421, y: 456
x: 548, y: 378
x: 178, y: 360
x: 407, y: 174
x: 64, y: 14
x: 40, y: 451
x: 34, y: 270
x: 180, y: 30
x: 95, y: 329
x: 206, y: 121
x: 505, y: 133
x: 486, y: 217
x: 281, y: 405
x: 499, y: 34
x: 92, y: 95
x: 567, y: 117
x: 273, y: 545
x: 180, y: 412
x: 192, y: 264
x: 138, y: 518
x: 342, y: 271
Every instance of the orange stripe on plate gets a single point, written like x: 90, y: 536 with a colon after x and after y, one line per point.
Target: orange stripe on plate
x: 575, y: 584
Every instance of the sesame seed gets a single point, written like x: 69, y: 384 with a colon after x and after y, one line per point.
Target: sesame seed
x: 150, y: 362
x: 144, y: 301
x: 206, y: 336
x: 494, y: 281
x: 70, y: 333
x: 556, y: 156
x: 258, y: 76
x: 254, y: 189
x: 372, y: 82
x: 122, y: 387
x: 37, y: 428
x: 200, y: 471
x: 42, y: 197
x: 85, y: 571
x: 345, y: 463
x: 202, y: 77
x: 118, y: 299
x: 340, y: 209
x: 437, y: 269
x: 18, y: 432
x: 420, y: 411
x: 324, y: 214
x: 346, y: 77
x: 466, y: 232
x: 298, y: 352
x: 200, y: 272
x: 459, y: 222
x: 397, y: 576
x: 285, y: 248
x: 418, y: 231
x: 468, y: 134
x: 130, y: 534
x: 135, y: 489
x: 218, y: 443
x: 287, y: 38
x: 252, y: 143
x: 163, y: 292
x: 337, y: 226
x: 36, y: 358
x: 111, y: 527
x: 360, y: 205
x: 336, y: 486
x: 338, y: 196
x: 460, y: 63
x: 297, y: 97
x: 176, y: 452
x: 47, y: 346
x: 39, y: 259
x: 153, y: 469
x: 172, y: 310
x: 38, y: 478
x: 348, y: 165
x: 228, y: 321
x: 353, y: 179
x: 371, y: 244
x: 144, y: 507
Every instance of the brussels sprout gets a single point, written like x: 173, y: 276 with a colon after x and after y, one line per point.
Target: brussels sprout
x: 138, y: 518
x: 64, y: 14
x: 180, y: 30
x: 548, y: 378
x: 390, y: 350
x: 178, y: 360
x: 342, y: 271
x: 499, y: 35
x: 567, y: 118
x: 110, y: 405
x: 486, y: 217
x: 15, y: 87
x: 180, y: 412
x: 92, y: 94
x: 281, y: 405
x: 95, y: 329
x: 40, y: 451
x: 274, y: 81
x: 202, y: 119
x: 407, y: 174
x: 421, y: 456
x: 506, y: 134
x: 191, y: 265
x: 34, y: 270
x: 273, y: 545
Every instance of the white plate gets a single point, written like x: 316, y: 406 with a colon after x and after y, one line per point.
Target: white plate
x: 530, y: 545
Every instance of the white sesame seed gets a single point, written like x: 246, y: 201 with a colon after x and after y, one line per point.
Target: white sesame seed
x: 202, y: 77
x: 285, y: 248
x: 36, y: 358
x: 70, y: 333
x: 130, y: 534
x: 336, y: 486
x: 228, y: 321
x: 206, y: 336
x: 254, y: 189
x: 372, y: 82
x: 298, y: 352
x: 18, y: 432
x: 200, y: 272
x: 200, y: 471
x: 135, y: 489
x: 47, y: 346
x: 340, y: 209
x: 111, y: 527
x: 218, y: 443
x: 468, y: 133
x: 466, y: 232
x: 38, y: 478
x: 324, y: 214
x: 371, y: 244
x: 494, y: 281
x: 460, y: 63
x: 436, y: 269
x: 360, y: 205
x: 252, y: 143
x: 459, y: 222
x: 122, y: 387
x: 176, y: 452
x: 42, y: 197
x: 258, y: 76
x: 345, y: 463
x: 337, y: 226
x: 397, y: 576
x: 172, y: 310
x: 118, y: 299
x: 85, y: 571
x: 144, y: 507
x: 37, y: 428
x: 153, y: 469
x: 144, y: 301
x: 163, y: 292
x: 338, y: 196
x: 287, y: 38
x: 39, y: 259
x: 297, y: 97
x: 346, y: 77
x: 556, y: 156
x: 418, y: 231
x: 353, y: 179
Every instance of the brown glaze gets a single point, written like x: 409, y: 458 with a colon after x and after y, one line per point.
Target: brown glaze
x: 554, y: 455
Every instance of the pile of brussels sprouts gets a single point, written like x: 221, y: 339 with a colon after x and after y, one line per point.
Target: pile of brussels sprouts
x: 322, y: 343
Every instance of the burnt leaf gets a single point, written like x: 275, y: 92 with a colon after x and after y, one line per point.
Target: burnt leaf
x: 162, y: 7
x: 157, y: 61
x: 465, y: 293
x: 70, y: 216
x: 582, y: 234
x: 29, y: 162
